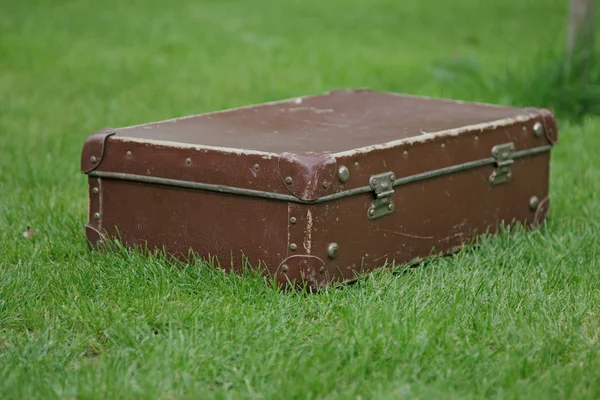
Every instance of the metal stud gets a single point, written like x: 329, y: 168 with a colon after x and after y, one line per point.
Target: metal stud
x: 293, y: 220
x: 371, y: 211
x: 343, y: 174
x: 333, y: 250
x: 392, y: 177
x: 128, y: 154
x: 476, y: 138
x: 284, y: 268
x: 95, y: 190
x: 405, y: 153
x: 288, y: 180
x: 390, y: 206
x: 533, y: 203
x: 97, y: 216
x: 188, y: 161
x: 256, y: 167
x: 293, y: 246
x: 443, y: 145
x: 93, y: 159
x: 538, y: 129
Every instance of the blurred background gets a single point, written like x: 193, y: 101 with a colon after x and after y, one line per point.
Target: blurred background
x: 517, y: 319
x: 69, y: 68
x: 82, y: 65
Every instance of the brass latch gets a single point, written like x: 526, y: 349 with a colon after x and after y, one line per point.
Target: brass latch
x: 503, y: 154
x: 383, y: 186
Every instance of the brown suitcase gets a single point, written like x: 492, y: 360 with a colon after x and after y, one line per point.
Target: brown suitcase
x: 319, y: 188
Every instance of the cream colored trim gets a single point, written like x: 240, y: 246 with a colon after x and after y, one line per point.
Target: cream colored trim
x: 425, y: 136
x: 231, y: 150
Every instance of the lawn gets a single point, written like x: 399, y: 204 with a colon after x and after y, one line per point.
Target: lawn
x: 516, y: 317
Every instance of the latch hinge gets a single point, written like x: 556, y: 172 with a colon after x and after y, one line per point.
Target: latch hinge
x: 503, y: 154
x: 383, y: 187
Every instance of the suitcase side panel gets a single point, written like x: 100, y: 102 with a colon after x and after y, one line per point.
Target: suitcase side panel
x: 444, y: 150
x: 434, y: 216
x: 149, y: 159
x: 211, y: 224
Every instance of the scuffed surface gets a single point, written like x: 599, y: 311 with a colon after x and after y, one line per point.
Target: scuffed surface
x: 336, y: 121
x: 310, y: 175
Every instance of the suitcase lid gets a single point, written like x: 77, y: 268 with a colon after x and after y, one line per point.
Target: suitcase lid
x: 296, y: 146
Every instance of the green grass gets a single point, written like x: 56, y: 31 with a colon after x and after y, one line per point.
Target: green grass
x: 517, y: 317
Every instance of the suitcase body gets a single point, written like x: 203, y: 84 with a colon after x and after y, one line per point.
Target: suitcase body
x: 316, y: 189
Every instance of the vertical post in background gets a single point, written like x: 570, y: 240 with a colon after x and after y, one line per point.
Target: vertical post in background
x: 581, y: 30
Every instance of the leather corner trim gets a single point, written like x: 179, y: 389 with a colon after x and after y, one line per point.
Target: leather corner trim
x: 93, y: 149
x: 299, y: 270
x: 541, y: 212
x: 95, y: 238
x: 550, y: 126
x: 307, y: 176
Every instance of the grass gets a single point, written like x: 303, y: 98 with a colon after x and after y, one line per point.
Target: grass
x: 568, y: 86
x: 515, y: 318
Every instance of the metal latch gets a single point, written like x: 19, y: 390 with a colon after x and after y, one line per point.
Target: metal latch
x: 503, y: 154
x: 383, y: 186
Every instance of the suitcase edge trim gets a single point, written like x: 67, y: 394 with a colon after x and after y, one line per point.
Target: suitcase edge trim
x: 291, y: 198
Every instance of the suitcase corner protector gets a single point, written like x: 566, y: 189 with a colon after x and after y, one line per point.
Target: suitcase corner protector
x: 307, y: 176
x: 93, y: 149
x: 297, y: 270
x: 541, y: 212
x: 95, y: 238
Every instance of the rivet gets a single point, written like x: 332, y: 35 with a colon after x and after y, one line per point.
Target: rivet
x: 405, y: 153
x: 97, y: 216
x: 443, y: 145
x: 288, y: 180
x: 284, y: 268
x: 332, y: 250
x: 343, y: 174
x: 188, y: 161
x: 356, y: 164
x: 128, y: 154
x: 509, y: 175
x: 293, y: 220
x: 371, y: 211
x: 325, y: 185
x: 524, y: 128
x: 256, y: 167
x: 93, y: 159
x: 533, y: 203
x: 476, y: 138
x: 374, y: 181
x: 538, y: 129
x: 392, y: 177
x: 322, y: 270
x: 293, y: 246
x: 390, y: 206
x: 95, y: 190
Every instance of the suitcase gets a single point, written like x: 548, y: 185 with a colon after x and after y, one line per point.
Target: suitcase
x: 319, y: 189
